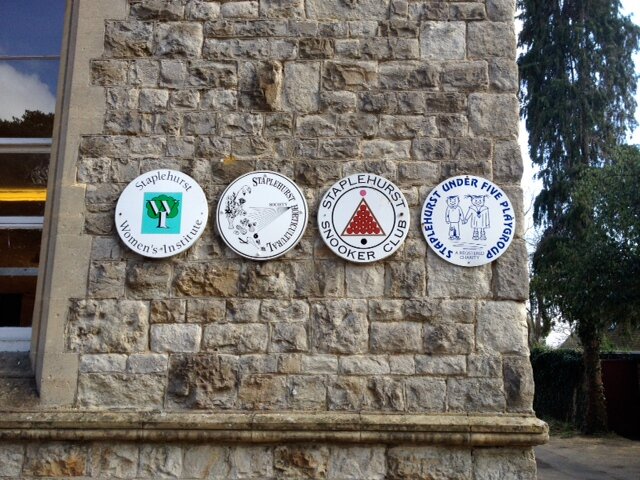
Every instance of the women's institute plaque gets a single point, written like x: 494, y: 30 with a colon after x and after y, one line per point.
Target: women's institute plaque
x: 262, y: 215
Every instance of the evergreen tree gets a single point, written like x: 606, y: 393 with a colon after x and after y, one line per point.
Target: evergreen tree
x: 578, y: 86
x: 33, y: 123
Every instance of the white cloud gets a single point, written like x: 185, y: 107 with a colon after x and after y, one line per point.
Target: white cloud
x: 20, y: 92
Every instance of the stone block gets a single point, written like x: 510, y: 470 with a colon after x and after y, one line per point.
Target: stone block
x: 386, y: 394
x: 446, y: 281
x: 418, y: 173
x: 352, y: 76
x: 386, y: 310
x: 502, y: 328
x: 301, y: 461
x: 364, y: 365
x: 148, y: 280
x: 347, y: 393
x: 491, y: 463
x: 407, y: 126
x: 441, y: 364
x: 518, y: 383
x: 157, y: 10
x: 248, y: 10
x: 128, y: 39
x: 236, y: 338
x: 503, y: 75
x: 147, y: 363
x: 257, y: 363
x: 288, y: 337
x: 210, y: 280
x: 396, y: 337
x: 491, y: 39
x: 109, y: 460
x: 510, y: 280
x: 319, y: 363
x: 206, y: 461
x: 319, y: 279
x: 103, y: 363
x: 341, y: 10
x: 263, y: 392
x: 205, y: 310
x: 402, y: 365
x: 307, y: 393
x: 178, y: 39
x: 175, y: 337
x: 405, y: 279
x: 167, y: 311
x: 431, y: 149
x: 467, y: 11
x: 109, y: 72
x: 242, y: 311
x: 251, y: 462
x: 312, y: 126
x: 364, y: 280
x: 457, y: 311
x: 448, y: 338
x: 475, y: 395
x: 409, y: 463
x: 340, y: 326
x: 408, y: 75
x: 121, y: 390
x: 302, y: 86
x: 483, y: 365
x: 107, y: 326
x: 106, y: 279
x: 55, y: 459
x: 11, y: 459
x: 160, y: 461
x: 493, y: 115
x: 202, y: 11
x: 501, y: 10
x: 507, y: 162
x: 284, y: 311
x: 203, y: 381
x: 425, y: 394
x: 316, y: 48
x: 443, y: 41
x: 267, y: 280
x: 219, y: 100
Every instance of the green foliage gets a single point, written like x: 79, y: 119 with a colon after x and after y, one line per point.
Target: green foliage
x: 33, y: 124
x: 171, y: 202
x: 578, y: 85
x: 558, y: 378
x: 587, y: 268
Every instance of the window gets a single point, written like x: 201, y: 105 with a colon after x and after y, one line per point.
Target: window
x: 30, y: 38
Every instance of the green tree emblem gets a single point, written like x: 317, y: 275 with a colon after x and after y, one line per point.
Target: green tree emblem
x: 162, y: 207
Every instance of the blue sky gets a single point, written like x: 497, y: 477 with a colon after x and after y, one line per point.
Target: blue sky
x: 32, y: 27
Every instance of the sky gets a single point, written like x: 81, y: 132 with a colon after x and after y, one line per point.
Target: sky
x: 29, y: 27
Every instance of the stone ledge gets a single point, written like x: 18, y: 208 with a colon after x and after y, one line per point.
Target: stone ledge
x: 454, y: 430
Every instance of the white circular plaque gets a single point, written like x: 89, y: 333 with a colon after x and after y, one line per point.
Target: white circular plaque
x: 262, y: 215
x: 363, y: 218
x: 468, y: 221
x: 161, y: 213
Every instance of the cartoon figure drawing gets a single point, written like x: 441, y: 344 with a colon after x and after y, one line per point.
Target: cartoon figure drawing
x: 478, y: 214
x: 453, y: 216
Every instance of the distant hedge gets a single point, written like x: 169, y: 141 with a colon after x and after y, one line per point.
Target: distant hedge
x: 558, y: 378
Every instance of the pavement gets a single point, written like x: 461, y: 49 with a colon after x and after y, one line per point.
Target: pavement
x: 589, y: 458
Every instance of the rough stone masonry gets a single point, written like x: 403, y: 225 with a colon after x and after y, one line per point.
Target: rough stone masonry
x: 415, y: 91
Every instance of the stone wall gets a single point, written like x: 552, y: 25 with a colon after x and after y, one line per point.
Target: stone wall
x: 327, y: 462
x: 400, y: 369
x: 414, y: 91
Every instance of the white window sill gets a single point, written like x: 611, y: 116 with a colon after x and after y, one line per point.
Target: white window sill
x: 15, y: 339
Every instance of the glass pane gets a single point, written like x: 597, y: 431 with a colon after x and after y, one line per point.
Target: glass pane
x: 29, y: 31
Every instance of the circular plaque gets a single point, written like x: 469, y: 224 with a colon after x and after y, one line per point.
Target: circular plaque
x: 468, y: 221
x: 363, y: 218
x: 161, y: 213
x: 262, y: 215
